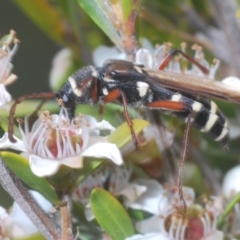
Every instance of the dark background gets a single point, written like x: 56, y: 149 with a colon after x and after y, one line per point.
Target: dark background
x: 32, y: 61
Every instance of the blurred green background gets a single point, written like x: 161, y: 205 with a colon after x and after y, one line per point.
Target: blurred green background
x: 32, y: 61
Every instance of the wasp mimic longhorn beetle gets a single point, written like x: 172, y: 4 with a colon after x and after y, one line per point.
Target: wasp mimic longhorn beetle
x: 132, y: 85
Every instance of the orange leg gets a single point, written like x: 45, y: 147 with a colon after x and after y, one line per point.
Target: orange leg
x: 100, y: 112
x: 170, y: 56
x: 114, y: 95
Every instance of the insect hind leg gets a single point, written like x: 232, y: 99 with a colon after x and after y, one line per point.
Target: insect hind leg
x: 173, y: 53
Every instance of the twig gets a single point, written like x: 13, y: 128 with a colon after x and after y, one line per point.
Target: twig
x: 66, y: 223
x: 21, y: 195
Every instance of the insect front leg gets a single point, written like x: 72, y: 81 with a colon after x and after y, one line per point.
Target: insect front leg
x: 114, y: 95
x: 100, y: 112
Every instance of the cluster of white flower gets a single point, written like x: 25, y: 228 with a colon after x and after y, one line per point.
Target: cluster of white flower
x: 167, y: 221
x: 54, y: 140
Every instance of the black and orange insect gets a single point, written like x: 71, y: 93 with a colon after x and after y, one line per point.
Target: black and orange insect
x: 132, y: 85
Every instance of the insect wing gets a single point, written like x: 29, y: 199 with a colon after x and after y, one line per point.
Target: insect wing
x: 193, y: 85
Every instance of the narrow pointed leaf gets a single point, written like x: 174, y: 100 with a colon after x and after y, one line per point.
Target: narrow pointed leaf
x: 127, y: 7
x: 89, y: 166
x: 42, y: 13
x: 33, y: 237
x: 96, y: 11
x: 122, y: 134
x: 4, y: 122
x: 20, y: 166
x: 111, y: 215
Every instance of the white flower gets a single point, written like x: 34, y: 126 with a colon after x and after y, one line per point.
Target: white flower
x: 114, y: 179
x: 55, y: 140
x: 230, y: 189
x: 198, y: 223
x: 60, y: 66
x: 5, y: 97
x: 117, y: 178
x: 231, y: 186
x: 103, y: 53
x: 232, y: 81
x: 6, y: 55
x: 16, y: 224
x: 148, y: 236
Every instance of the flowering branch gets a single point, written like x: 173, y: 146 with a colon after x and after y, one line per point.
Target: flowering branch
x: 66, y: 221
x: 19, y: 193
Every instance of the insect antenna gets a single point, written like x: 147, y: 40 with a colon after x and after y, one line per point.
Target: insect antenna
x: 46, y: 95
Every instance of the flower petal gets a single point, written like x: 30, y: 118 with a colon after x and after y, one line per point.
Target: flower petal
x: 215, y: 235
x: 132, y: 192
x: 73, y: 162
x: 19, y: 224
x: 103, y: 125
x: 148, y: 236
x: 5, y: 97
x: 5, y: 143
x: 3, y: 213
x: 43, y: 167
x: 231, y: 182
x: 102, y: 53
x: 152, y: 199
x: 144, y: 56
x: 232, y: 81
x: 104, y: 150
x: 152, y: 224
x: 60, y: 65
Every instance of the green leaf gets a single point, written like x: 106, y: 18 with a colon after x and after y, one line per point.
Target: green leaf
x: 42, y: 13
x: 32, y: 237
x: 20, y: 166
x: 122, y: 135
x: 89, y: 166
x: 95, y: 9
x: 111, y: 215
x: 127, y: 8
x: 4, y: 125
x: 88, y: 229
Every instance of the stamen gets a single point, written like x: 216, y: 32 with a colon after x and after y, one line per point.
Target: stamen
x: 19, y: 120
x: 183, y: 46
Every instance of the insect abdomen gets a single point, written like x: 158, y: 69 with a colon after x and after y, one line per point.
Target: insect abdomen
x: 206, y: 117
